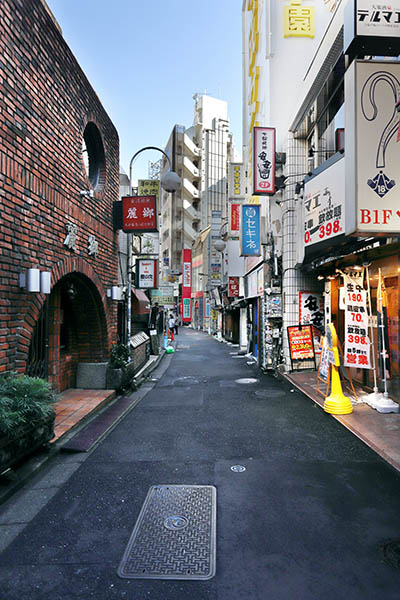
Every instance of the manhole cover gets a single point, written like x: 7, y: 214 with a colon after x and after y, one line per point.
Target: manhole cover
x: 391, y: 553
x: 270, y: 393
x: 174, y: 536
x: 238, y: 468
x: 246, y: 380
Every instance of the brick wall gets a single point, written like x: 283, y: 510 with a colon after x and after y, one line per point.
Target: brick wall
x: 45, y: 104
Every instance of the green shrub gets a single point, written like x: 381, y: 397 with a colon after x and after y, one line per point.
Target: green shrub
x: 119, y: 356
x: 24, y: 400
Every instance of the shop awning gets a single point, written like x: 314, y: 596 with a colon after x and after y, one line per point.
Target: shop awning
x: 140, y: 303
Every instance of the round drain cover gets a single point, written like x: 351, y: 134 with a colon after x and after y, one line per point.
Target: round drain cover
x: 391, y: 553
x: 238, y: 468
x: 176, y: 522
x: 246, y: 380
x: 270, y: 393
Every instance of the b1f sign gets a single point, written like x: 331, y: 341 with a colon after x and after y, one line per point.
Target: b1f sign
x: 263, y: 161
x: 372, y: 153
x: 146, y: 273
x: 250, y: 239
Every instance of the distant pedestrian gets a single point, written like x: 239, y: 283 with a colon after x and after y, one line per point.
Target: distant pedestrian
x: 171, y: 325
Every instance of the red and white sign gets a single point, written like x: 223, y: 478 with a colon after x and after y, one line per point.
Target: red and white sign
x: 233, y: 287
x: 301, y: 344
x: 263, y: 161
x: 356, y: 340
x: 235, y: 218
x: 139, y: 214
x: 146, y: 273
x: 186, y: 284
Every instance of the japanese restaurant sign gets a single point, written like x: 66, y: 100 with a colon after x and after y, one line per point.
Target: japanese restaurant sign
x: 264, y: 161
x: 250, y: 240
x: 356, y: 340
x: 146, y: 273
x: 234, y: 210
x: 301, y: 343
x: 311, y: 311
x: 233, y: 287
x: 186, y: 284
x: 139, y: 214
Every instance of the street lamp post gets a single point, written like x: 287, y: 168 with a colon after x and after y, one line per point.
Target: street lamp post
x: 170, y: 182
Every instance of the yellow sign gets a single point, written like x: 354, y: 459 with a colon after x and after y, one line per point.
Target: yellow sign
x: 298, y: 20
x: 149, y: 187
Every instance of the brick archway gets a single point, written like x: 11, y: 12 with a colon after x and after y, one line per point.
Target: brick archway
x: 70, y: 266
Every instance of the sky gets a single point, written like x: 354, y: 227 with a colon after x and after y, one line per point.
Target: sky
x: 147, y: 58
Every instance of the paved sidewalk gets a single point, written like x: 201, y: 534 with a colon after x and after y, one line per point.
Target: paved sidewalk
x: 379, y: 431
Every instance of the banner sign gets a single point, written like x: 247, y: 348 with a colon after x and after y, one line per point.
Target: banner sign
x: 372, y: 155
x: 186, y: 284
x: 146, y: 273
x: 311, y: 309
x: 250, y: 240
x: 383, y: 329
x: 263, y: 161
x: 139, y: 214
x: 207, y: 308
x: 301, y: 343
x: 234, y: 209
x: 233, y: 287
x: 323, y: 205
x: 356, y: 340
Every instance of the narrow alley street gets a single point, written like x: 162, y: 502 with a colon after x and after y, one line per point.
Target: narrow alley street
x: 305, y: 520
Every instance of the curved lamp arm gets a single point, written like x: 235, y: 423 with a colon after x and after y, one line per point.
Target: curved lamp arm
x: 137, y: 154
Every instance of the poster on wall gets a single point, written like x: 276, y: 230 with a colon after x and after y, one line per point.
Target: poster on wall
x: 311, y: 309
x: 372, y: 90
x: 356, y: 340
x: 301, y: 344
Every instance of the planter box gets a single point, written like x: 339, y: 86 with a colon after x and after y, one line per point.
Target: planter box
x: 24, y: 441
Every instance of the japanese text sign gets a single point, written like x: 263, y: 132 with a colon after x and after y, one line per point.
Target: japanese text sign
x: 149, y: 187
x: 186, y: 284
x: 139, y: 214
x: 264, y: 161
x: 323, y: 205
x: 146, y: 273
x: 298, y: 19
x: 301, y: 343
x: 356, y: 340
x: 250, y: 243
x: 311, y: 311
x: 233, y: 287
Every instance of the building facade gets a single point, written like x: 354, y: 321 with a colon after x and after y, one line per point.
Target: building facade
x: 59, y: 161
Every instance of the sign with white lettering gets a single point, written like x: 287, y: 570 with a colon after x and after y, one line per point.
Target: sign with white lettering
x: 139, y: 214
x: 323, y: 205
x: 250, y: 242
x: 146, y: 273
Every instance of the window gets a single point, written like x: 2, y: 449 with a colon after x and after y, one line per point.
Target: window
x: 93, y: 156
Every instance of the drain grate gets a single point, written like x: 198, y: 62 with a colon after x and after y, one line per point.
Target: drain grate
x: 391, y: 553
x: 174, y: 536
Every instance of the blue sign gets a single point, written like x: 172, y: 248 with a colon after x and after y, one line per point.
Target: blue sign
x: 250, y: 242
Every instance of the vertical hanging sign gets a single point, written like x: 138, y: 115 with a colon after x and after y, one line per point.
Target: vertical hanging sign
x: 186, y: 284
x: 250, y: 239
x: 356, y: 340
x: 264, y: 161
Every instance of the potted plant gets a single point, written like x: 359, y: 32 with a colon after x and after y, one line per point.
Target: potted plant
x: 119, y: 359
x: 26, y: 416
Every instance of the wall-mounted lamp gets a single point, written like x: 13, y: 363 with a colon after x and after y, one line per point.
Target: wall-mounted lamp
x: 115, y: 293
x: 34, y: 280
x: 86, y: 193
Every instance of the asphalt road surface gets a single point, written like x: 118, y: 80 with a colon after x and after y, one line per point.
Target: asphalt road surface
x: 306, y: 520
